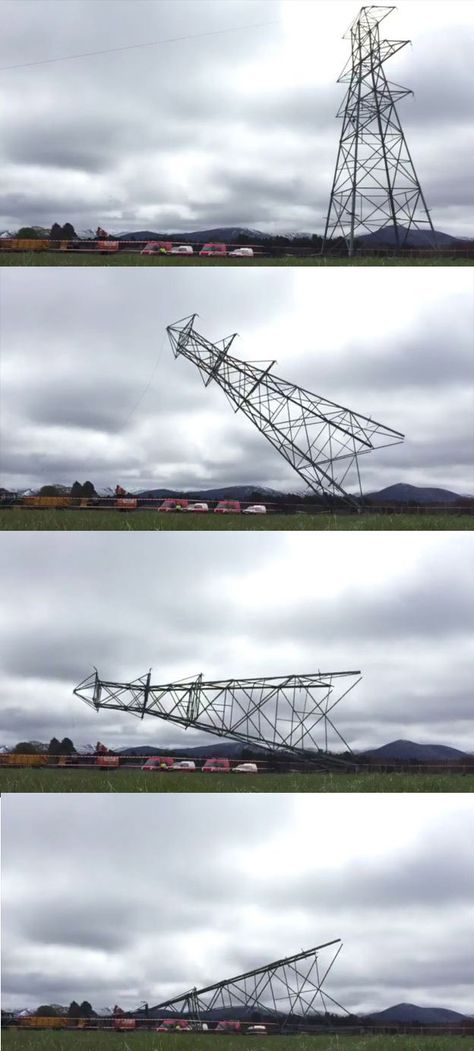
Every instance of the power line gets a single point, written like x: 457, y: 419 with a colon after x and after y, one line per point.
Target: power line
x: 131, y: 47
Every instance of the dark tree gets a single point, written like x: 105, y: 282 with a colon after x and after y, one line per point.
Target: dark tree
x: 68, y: 231
x: 25, y: 748
x: 27, y: 231
x: 56, y: 232
x: 46, y: 1011
x: 50, y: 490
x: 74, y: 1011
x: 88, y: 489
x: 54, y: 747
x: 76, y: 489
x: 87, y: 1011
x: 66, y: 747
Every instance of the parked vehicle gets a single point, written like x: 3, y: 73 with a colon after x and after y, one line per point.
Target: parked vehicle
x: 126, y: 503
x: 255, y: 509
x: 106, y: 247
x: 157, y: 248
x: 158, y: 762
x: 202, y: 508
x: 213, y: 248
x: 170, y: 1024
x: 228, y: 1026
x: 246, y: 768
x: 242, y: 251
x: 226, y: 507
x: 171, y: 504
x: 123, y: 1024
x: 184, y: 764
x: 216, y: 766
x: 108, y: 762
x: 182, y: 250
x: 257, y: 1030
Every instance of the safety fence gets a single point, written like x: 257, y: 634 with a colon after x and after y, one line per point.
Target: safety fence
x: 164, y: 764
x: 186, y: 505
x: 227, y: 1026
x: 270, y: 248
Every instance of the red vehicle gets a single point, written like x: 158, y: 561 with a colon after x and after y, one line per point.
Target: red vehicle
x: 213, y: 248
x: 228, y: 1027
x: 158, y: 762
x: 170, y: 504
x: 216, y: 766
x: 226, y: 507
x: 124, y: 1023
x: 170, y: 1024
x: 157, y: 248
x: 108, y: 762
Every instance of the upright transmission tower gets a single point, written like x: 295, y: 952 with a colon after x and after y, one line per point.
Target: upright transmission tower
x: 287, y: 992
x: 291, y: 713
x: 321, y: 440
x: 375, y: 183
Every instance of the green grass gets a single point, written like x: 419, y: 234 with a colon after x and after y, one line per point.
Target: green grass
x: 61, y: 780
x: 22, y: 518
x: 134, y: 259
x: 88, y: 1041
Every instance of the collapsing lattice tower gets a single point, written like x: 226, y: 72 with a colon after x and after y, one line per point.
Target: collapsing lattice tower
x: 291, y: 714
x: 321, y: 440
x: 286, y: 991
x: 375, y: 183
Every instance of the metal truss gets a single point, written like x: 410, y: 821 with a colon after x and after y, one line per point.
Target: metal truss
x: 321, y: 440
x: 375, y: 183
x: 289, y: 713
x: 286, y: 991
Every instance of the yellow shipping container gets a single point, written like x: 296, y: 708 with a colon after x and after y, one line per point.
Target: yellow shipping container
x: 23, y: 760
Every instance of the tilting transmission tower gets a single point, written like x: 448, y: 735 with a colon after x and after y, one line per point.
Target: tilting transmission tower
x: 291, y: 714
x: 375, y: 183
x: 321, y: 440
x: 286, y: 991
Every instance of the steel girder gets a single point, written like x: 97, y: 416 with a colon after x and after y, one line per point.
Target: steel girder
x: 320, y: 439
x: 375, y: 183
x: 282, y: 990
x: 291, y: 714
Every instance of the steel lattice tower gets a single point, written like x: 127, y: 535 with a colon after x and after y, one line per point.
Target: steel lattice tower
x: 375, y: 183
x: 287, y: 991
x: 320, y: 439
x: 290, y: 714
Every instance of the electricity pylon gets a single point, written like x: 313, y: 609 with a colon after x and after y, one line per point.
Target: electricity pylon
x: 287, y: 992
x: 320, y: 439
x: 291, y: 713
x: 375, y: 183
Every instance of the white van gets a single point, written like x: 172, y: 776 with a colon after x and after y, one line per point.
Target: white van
x: 182, y: 250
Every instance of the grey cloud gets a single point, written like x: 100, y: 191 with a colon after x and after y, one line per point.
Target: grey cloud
x: 146, y: 109
x: 121, y: 925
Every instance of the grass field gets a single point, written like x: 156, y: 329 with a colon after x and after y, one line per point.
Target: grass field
x: 22, y: 518
x: 131, y: 780
x: 134, y: 259
x: 77, y: 1041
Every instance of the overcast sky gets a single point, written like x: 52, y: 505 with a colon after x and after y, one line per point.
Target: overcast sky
x: 85, y: 918
x: 90, y: 388
x: 235, y: 128
x: 399, y: 607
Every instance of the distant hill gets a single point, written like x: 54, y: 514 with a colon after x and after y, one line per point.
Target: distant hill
x: 226, y: 492
x: 412, y: 750
x: 415, y: 239
x: 399, y: 493
x: 412, y: 1013
x: 227, y: 234
x: 406, y: 493
x: 234, y: 234
x: 223, y: 749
